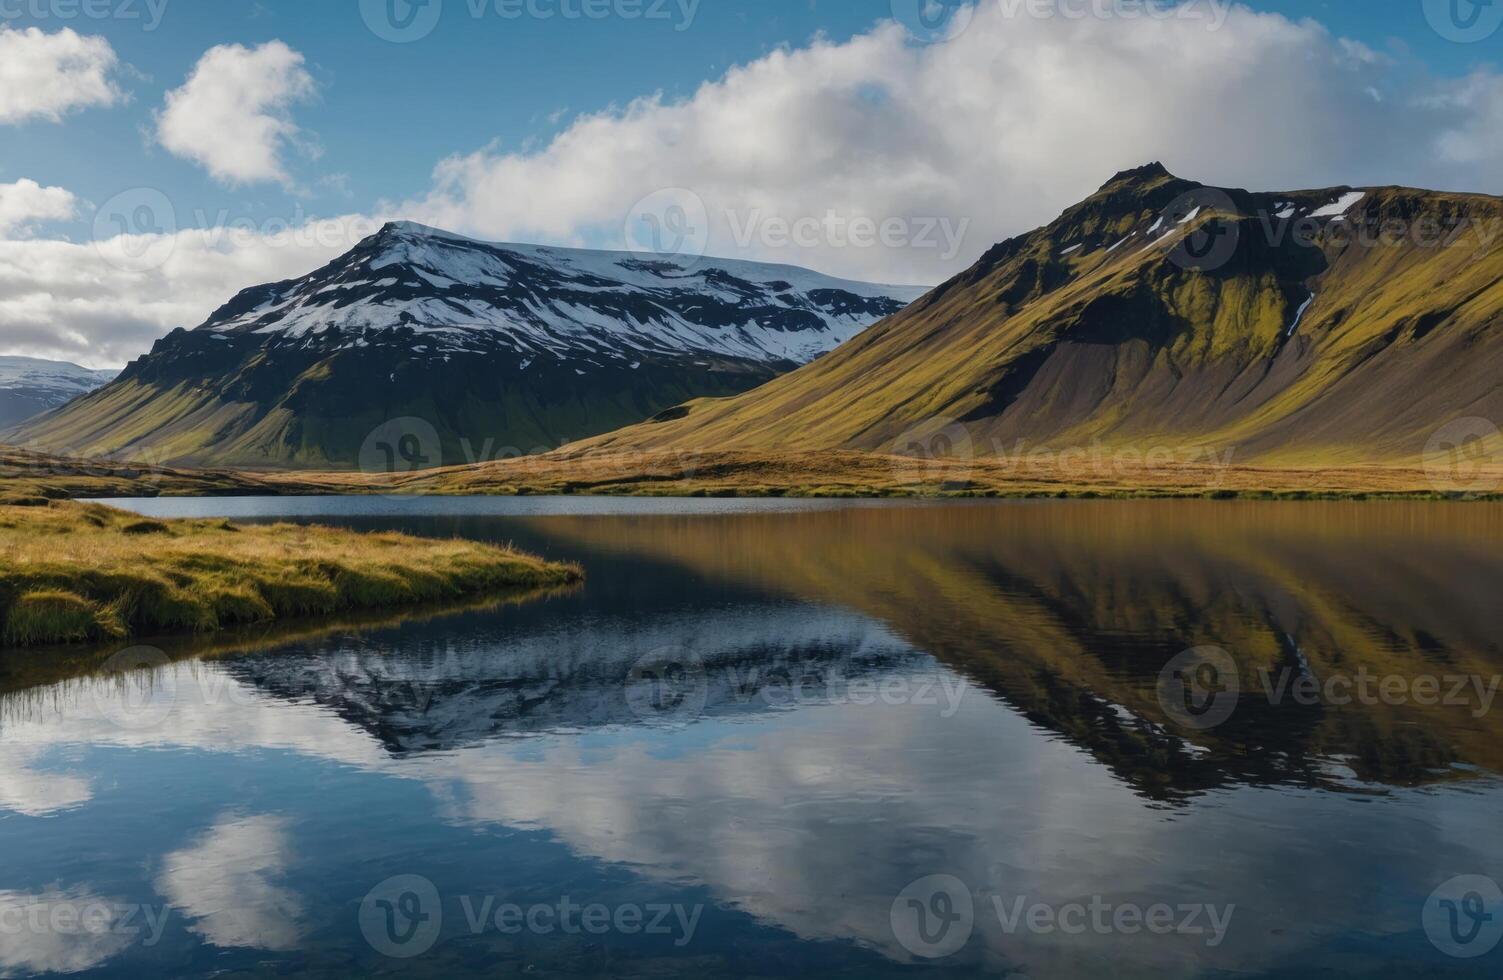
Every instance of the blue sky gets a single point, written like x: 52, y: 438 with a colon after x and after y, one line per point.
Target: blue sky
x: 387, y: 113
x: 372, y: 119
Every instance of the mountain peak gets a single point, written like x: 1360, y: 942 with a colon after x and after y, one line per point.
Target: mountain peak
x: 1147, y: 173
x: 404, y: 227
x: 408, y: 230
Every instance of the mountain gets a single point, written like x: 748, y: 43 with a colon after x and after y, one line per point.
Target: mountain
x: 1314, y: 327
x: 419, y: 346
x: 30, y: 386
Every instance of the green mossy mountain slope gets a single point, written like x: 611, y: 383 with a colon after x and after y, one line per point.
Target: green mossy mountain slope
x: 204, y: 399
x: 1336, y: 325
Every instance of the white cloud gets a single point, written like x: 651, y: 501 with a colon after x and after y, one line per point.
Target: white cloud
x: 25, y: 201
x: 226, y: 883
x: 100, y: 304
x: 28, y: 952
x: 36, y: 792
x: 1005, y: 124
x: 1476, y: 139
x: 46, y: 75
x: 233, y: 114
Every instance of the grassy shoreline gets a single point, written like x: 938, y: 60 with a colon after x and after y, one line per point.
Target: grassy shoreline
x: 32, y: 479
x: 80, y: 573
x: 26, y: 478
x: 837, y: 474
x: 36, y: 667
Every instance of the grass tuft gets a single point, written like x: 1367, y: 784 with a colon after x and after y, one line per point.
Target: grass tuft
x: 24, y: 500
x: 144, y: 527
x: 56, y: 616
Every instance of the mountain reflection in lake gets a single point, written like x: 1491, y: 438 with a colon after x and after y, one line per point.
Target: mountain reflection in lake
x: 749, y: 743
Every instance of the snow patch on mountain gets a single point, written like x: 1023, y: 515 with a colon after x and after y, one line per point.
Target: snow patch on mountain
x: 1299, y: 315
x: 1341, y: 207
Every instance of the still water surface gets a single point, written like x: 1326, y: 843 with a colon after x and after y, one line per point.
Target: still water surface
x: 798, y: 739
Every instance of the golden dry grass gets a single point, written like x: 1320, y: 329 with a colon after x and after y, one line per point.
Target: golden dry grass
x: 26, y: 479
x: 73, y: 572
x: 849, y: 473
x: 33, y: 478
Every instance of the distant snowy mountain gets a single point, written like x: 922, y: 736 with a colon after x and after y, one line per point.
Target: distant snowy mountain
x: 30, y: 386
x: 468, y: 348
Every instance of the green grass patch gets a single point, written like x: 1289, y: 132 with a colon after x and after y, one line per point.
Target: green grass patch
x: 56, y: 616
x: 72, y: 573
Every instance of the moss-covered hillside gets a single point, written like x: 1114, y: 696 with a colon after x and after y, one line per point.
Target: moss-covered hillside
x: 1303, y: 328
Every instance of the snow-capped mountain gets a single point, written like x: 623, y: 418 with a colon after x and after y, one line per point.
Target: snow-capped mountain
x: 461, y: 350
x: 30, y: 386
x: 564, y: 303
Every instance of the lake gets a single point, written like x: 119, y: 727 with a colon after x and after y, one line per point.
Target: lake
x: 784, y: 738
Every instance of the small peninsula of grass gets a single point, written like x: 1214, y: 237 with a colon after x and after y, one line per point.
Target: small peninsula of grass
x: 76, y: 573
